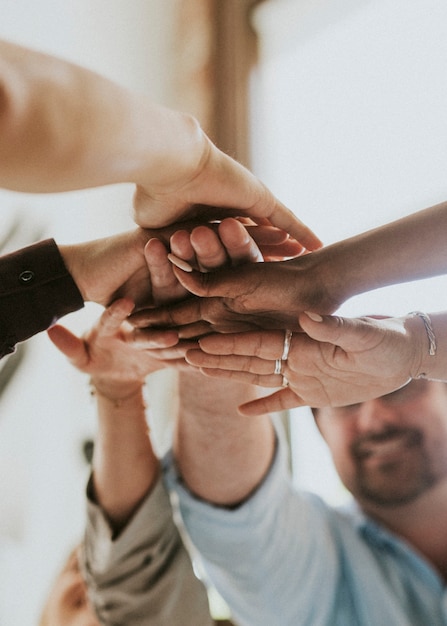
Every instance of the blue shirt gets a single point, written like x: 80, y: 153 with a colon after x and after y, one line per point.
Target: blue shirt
x: 286, y: 558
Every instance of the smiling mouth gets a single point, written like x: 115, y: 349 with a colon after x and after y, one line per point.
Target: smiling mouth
x: 384, y: 446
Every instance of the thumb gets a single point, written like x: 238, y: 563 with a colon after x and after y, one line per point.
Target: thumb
x: 208, y: 284
x: 69, y: 344
x: 281, y: 400
x: 350, y: 334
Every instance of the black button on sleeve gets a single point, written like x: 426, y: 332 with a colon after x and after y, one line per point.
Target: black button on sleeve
x: 26, y: 277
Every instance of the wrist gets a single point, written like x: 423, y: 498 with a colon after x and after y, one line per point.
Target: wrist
x: 322, y: 287
x: 102, y: 266
x: 424, y: 343
x: 118, y: 394
x: 72, y: 255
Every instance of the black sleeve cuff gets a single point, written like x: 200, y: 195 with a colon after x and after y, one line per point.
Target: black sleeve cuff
x: 36, y: 290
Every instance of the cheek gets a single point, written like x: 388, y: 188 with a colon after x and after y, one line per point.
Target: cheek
x: 338, y: 442
x: 436, y: 447
x: 344, y: 465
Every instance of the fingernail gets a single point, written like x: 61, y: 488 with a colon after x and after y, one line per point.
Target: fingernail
x: 180, y: 263
x: 314, y: 316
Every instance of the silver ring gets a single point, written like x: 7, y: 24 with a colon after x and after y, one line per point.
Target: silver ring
x: 278, y: 366
x: 287, y: 340
x: 285, y: 382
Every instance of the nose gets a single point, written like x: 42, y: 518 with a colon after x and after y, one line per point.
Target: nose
x: 373, y: 414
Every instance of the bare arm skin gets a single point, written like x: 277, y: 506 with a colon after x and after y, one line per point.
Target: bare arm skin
x: 124, y: 464
x: 63, y: 127
x: 221, y: 457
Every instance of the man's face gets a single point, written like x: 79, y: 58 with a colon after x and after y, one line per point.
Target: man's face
x: 390, y: 450
x: 68, y: 604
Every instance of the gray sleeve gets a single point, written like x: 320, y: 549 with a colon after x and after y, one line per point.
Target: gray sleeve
x: 145, y: 576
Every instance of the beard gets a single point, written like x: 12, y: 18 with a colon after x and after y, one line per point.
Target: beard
x: 392, y: 467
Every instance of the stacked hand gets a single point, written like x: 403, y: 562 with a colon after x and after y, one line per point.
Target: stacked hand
x: 335, y: 361
x: 119, y: 357
x: 202, y: 181
x: 118, y: 266
x: 266, y: 295
x: 64, y: 127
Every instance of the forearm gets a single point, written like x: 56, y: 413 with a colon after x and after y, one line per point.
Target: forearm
x: 411, y: 248
x: 78, y: 129
x: 124, y: 464
x: 221, y: 457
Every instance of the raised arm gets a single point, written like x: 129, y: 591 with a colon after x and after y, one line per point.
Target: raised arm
x: 335, y: 362
x: 125, y: 467
x: 132, y: 548
x: 136, y: 566
x: 272, y: 295
x: 63, y: 127
x: 221, y: 457
x: 43, y: 282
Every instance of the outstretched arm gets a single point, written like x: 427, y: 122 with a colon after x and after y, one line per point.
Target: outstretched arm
x: 44, y: 282
x: 125, y: 467
x: 272, y: 295
x: 221, y: 457
x: 136, y: 566
x: 63, y: 127
x: 336, y: 361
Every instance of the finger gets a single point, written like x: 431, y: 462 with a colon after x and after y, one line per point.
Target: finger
x: 274, y: 243
x: 265, y: 235
x: 219, y: 283
x: 287, y: 250
x: 272, y: 381
x: 284, y: 218
x: 281, y: 400
x: 210, y: 252
x: 240, y: 246
x: 70, y: 345
x: 184, y: 313
x: 195, y: 330
x: 112, y: 318
x: 356, y: 334
x: 149, y: 339
x: 169, y: 354
x: 181, y: 246
x: 165, y: 286
x: 230, y: 177
x: 234, y: 363
x: 199, y: 329
x: 265, y: 344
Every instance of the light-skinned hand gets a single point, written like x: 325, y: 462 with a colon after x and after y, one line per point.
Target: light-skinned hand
x: 336, y: 361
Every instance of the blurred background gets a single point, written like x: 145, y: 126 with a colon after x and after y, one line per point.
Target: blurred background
x: 338, y: 106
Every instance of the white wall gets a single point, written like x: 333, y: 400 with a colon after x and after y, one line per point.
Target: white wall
x: 46, y: 412
x: 351, y: 132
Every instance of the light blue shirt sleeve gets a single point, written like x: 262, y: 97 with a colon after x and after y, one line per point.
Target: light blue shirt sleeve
x: 285, y: 558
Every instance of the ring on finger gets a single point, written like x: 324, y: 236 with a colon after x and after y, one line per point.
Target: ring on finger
x: 278, y: 366
x: 285, y: 382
